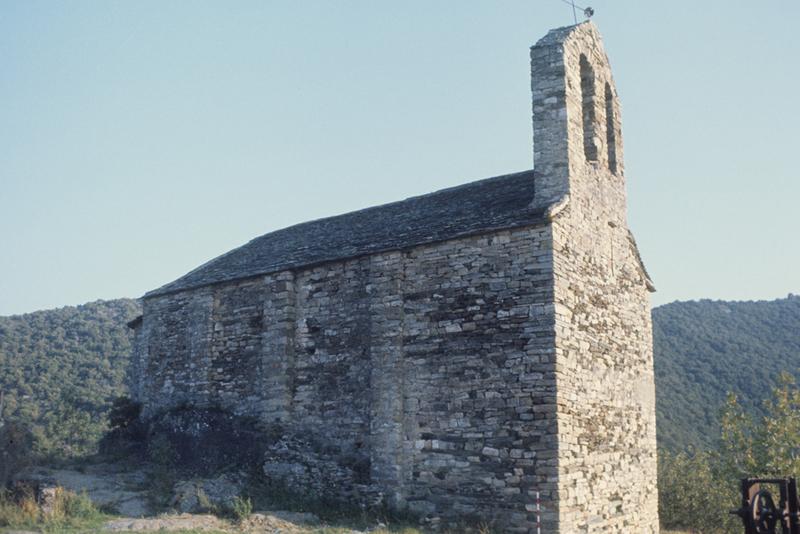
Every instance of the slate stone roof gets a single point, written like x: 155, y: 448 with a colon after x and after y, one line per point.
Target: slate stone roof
x: 491, y: 204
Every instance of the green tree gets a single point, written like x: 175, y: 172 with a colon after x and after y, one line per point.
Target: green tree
x: 766, y: 445
x: 698, y: 488
x: 689, y: 496
x: 60, y: 369
x: 740, y: 443
x: 780, y: 444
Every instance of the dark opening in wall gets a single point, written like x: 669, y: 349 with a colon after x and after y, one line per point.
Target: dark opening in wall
x: 589, y: 116
x: 611, y: 132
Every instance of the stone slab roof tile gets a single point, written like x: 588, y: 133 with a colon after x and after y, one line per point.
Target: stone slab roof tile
x: 491, y: 204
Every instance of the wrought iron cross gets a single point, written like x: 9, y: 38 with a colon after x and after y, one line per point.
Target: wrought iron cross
x: 574, y: 12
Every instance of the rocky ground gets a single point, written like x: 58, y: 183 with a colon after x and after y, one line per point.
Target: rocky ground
x: 109, y: 486
x: 266, y: 522
x: 127, y: 495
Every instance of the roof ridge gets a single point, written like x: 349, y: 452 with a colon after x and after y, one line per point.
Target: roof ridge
x: 393, y: 203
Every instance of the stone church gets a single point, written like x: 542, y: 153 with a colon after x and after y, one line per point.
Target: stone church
x: 460, y: 352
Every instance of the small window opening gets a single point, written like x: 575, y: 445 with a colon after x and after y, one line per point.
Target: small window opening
x: 589, y: 119
x: 611, y: 130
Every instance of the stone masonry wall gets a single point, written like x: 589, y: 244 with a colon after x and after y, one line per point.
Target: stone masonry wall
x: 479, y: 384
x: 331, y: 374
x: 174, y: 350
x: 235, y: 346
x: 433, y: 367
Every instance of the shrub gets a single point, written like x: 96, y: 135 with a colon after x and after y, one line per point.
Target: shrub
x: 78, y: 506
x: 691, y: 495
x: 66, y: 510
x: 205, y: 503
x: 241, y: 508
x: 124, y: 413
x: 127, y: 432
x: 21, y: 513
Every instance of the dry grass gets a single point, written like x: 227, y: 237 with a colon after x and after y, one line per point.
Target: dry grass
x: 70, y: 513
x: 24, y: 514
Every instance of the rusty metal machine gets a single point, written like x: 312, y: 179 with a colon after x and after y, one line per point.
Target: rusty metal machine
x: 759, y: 512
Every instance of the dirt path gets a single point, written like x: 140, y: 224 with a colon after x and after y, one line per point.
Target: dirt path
x: 257, y: 523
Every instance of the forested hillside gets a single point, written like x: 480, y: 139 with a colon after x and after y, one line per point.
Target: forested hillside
x: 59, y: 370
x: 706, y: 348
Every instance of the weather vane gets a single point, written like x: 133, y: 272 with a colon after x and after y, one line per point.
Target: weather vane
x: 587, y: 11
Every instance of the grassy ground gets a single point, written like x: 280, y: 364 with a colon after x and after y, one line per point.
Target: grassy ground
x: 71, y: 513
x: 99, y: 530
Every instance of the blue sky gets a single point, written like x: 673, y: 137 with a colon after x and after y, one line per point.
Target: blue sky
x: 140, y: 139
